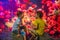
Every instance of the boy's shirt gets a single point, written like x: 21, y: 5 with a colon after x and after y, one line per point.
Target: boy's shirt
x: 41, y: 23
x: 16, y: 24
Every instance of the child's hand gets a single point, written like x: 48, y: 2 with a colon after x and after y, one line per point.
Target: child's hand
x: 9, y: 24
x: 18, y: 35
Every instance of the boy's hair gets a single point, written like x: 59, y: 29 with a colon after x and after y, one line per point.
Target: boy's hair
x: 19, y: 13
x: 40, y: 14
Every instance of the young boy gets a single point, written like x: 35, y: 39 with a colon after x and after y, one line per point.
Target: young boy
x: 39, y: 25
x: 18, y: 25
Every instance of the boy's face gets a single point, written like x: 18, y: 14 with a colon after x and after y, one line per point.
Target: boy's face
x: 21, y: 15
x: 36, y: 15
x: 22, y: 29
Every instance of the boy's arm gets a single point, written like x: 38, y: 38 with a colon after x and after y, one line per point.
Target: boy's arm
x: 18, y: 29
x: 18, y: 35
x: 31, y: 31
x: 34, y: 24
x: 45, y: 24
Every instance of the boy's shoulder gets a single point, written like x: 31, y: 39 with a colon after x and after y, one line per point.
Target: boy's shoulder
x: 39, y: 20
